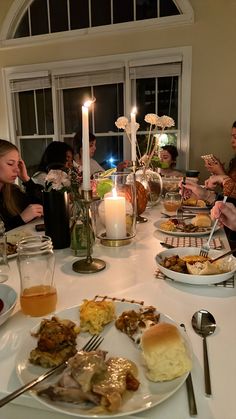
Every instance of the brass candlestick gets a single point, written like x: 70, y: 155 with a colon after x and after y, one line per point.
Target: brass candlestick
x: 89, y: 265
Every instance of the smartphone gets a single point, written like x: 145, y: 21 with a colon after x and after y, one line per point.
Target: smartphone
x: 40, y: 227
x: 210, y: 159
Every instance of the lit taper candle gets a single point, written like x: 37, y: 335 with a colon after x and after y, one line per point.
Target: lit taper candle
x: 85, y: 145
x: 133, y: 134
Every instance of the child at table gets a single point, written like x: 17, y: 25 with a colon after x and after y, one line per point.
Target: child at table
x: 17, y: 207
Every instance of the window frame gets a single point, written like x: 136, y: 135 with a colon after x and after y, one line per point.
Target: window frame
x: 184, y: 54
x: 19, y: 7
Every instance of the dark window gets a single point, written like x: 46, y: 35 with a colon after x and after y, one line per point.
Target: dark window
x: 146, y: 9
x: 32, y: 150
x: 44, y: 111
x: 123, y: 11
x: 79, y: 14
x: 73, y: 100
x: 27, y: 113
x: 101, y: 12
x: 39, y: 17
x: 157, y: 95
x: 58, y: 15
x: 168, y: 8
x: 23, y: 27
x: 109, y: 105
x: 109, y: 151
x: 168, y: 97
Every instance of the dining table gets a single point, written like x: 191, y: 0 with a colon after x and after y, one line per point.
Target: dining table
x: 131, y: 273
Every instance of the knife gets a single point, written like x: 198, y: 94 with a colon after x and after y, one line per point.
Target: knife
x: 190, y: 390
x: 167, y: 246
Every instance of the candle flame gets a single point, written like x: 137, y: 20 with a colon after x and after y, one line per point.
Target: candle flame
x: 114, y: 193
x: 89, y: 102
x: 134, y: 110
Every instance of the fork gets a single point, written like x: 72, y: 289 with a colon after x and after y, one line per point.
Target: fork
x: 91, y: 345
x: 180, y: 212
x: 206, y: 247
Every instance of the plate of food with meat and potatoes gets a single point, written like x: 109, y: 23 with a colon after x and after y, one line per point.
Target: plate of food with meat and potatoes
x: 128, y: 373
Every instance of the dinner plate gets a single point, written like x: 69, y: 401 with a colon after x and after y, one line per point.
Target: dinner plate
x: 194, y: 279
x: 116, y: 343
x: 205, y: 232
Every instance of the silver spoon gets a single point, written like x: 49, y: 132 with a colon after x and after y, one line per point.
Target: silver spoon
x: 204, y: 325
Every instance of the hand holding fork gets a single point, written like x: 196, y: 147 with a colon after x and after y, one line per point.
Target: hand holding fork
x: 206, y: 247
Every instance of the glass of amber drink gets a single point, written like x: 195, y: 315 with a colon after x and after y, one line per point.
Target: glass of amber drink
x: 36, y: 261
x: 172, y: 201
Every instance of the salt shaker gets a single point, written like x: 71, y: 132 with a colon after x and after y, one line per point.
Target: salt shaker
x: 4, y: 267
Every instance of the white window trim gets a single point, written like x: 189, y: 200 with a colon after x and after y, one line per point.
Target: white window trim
x: 18, y: 8
x: 105, y: 62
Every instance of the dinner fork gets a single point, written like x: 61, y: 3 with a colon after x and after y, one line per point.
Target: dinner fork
x: 180, y: 211
x: 206, y: 247
x: 91, y: 345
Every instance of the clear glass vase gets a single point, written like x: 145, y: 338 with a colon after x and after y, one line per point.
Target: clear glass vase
x: 79, y: 238
x: 152, y: 182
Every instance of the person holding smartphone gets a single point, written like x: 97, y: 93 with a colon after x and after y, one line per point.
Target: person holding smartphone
x: 17, y: 206
x: 220, y: 176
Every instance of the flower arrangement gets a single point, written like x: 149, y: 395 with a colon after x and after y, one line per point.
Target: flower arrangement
x: 57, y: 180
x: 150, y: 156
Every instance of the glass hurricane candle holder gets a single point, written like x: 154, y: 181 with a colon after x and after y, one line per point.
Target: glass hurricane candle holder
x: 114, y: 215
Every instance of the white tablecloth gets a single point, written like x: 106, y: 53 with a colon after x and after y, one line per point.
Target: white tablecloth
x: 130, y: 273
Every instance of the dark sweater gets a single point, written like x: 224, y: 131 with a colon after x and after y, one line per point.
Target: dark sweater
x: 31, y: 195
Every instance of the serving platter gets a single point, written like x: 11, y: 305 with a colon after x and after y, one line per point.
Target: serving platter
x: 116, y: 343
x: 195, y: 279
x: 204, y: 230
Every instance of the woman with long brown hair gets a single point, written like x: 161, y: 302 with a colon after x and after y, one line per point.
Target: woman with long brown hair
x: 17, y: 207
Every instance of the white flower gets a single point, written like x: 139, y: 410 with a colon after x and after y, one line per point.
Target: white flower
x: 151, y: 118
x: 121, y: 122
x: 165, y: 122
x: 58, y: 179
x: 128, y: 127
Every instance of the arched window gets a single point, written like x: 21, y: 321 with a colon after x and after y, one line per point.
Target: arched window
x: 42, y: 17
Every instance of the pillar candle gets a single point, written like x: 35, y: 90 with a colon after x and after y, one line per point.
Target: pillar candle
x: 85, y: 149
x: 115, y: 216
x: 133, y: 134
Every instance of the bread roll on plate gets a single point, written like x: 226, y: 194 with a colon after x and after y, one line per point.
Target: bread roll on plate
x: 201, y: 220
x: 203, y: 268
x: 164, y: 352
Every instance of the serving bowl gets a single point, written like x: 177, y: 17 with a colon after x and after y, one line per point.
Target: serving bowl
x: 9, y: 297
x: 229, y: 261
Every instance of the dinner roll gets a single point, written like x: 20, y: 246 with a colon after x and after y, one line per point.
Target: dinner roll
x: 203, y: 268
x: 164, y: 352
x: 201, y: 220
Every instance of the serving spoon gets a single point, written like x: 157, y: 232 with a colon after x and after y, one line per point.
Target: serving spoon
x: 204, y: 325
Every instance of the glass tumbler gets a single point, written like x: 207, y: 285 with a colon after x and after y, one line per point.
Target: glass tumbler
x: 36, y: 262
x: 172, y: 201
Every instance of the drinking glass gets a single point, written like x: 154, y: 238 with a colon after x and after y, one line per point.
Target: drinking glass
x: 36, y: 261
x: 171, y: 202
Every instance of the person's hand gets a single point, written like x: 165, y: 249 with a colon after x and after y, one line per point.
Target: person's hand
x: 192, y: 188
x: 216, y: 167
x: 23, y: 174
x: 225, y: 213
x: 31, y: 212
x: 213, y: 181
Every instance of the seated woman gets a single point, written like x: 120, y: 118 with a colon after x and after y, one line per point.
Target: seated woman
x: 16, y: 206
x: 57, y: 155
x: 94, y: 165
x: 168, y: 155
x: 220, y: 176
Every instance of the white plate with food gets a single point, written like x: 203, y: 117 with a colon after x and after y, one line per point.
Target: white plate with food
x: 116, y: 343
x: 197, y: 226
x: 188, y: 260
x: 13, y: 236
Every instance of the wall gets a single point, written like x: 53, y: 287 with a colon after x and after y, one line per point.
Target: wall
x: 213, y: 96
